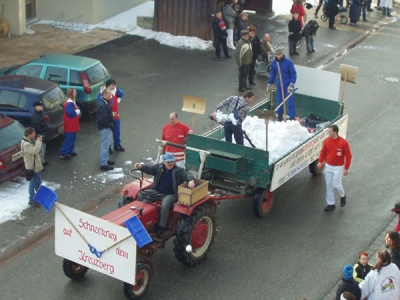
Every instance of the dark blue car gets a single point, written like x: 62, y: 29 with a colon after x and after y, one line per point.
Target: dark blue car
x: 18, y: 93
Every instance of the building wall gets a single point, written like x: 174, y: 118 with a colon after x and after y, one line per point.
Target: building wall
x: 83, y: 11
x: 14, y: 12
x: 184, y: 17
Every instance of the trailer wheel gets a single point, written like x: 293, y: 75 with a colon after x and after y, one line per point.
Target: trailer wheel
x: 343, y: 19
x: 262, y: 202
x: 198, y: 231
x: 73, y: 270
x: 142, y: 282
x: 125, y: 200
x: 313, y: 167
x: 324, y: 18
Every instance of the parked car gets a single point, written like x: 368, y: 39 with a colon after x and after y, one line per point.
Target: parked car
x: 86, y: 75
x: 11, y: 161
x: 18, y: 93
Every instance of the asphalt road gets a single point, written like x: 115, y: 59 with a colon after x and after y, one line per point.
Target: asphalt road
x: 298, y: 250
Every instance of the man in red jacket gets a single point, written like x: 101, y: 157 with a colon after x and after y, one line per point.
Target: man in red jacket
x: 336, y: 155
x: 176, y: 132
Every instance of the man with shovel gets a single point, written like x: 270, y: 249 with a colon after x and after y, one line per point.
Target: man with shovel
x: 239, y: 108
x: 283, y: 71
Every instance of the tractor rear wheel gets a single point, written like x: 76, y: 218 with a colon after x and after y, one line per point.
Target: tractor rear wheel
x: 313, y: 167
x: 262, y: 202
x: 73, y: 270
x: 142, y: 282
x: 198, y: 231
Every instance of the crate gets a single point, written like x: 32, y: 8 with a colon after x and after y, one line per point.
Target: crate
x: 187, y: 196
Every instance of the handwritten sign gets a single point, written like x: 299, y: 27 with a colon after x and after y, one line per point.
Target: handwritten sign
x: 300, y: 158
x: 95, y: 243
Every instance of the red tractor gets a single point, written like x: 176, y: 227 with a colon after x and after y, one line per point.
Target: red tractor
x: 194, y: 229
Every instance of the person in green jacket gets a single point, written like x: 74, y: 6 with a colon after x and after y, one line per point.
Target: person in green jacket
x: 244, y: 58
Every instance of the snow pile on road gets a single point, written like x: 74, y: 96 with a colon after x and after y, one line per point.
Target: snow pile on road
x: 14, y: 194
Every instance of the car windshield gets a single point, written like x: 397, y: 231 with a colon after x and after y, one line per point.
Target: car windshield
x: 53, y: 98
x: 97, y: 73
x: 11, y: 135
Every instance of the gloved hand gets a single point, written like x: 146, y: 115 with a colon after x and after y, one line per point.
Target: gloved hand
x: 290, y: 88
x: 269, y: 87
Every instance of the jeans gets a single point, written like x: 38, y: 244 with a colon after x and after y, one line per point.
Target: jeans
x: 237, y: 132
x: 386, y: 11
x: 333, y: 179
x: 117, y: 133
x: 364, y: 10
x: 230, y: 37
x: 292, y: 46
x: 69, y: 143
x: 34, y: 185
x: 310, y: 42
x: 105, y: 145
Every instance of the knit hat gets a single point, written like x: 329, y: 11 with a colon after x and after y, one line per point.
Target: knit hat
x: 168, y: 157
x: 37, y: 103
x: 347, y: 272
x: 244, y: 32
x: 279, y: 50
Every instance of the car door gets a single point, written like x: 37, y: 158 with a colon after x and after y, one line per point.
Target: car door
x: 58, y: 75
x: 15, y: 105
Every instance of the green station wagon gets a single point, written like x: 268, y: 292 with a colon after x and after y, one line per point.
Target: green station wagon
x: 86, y: 75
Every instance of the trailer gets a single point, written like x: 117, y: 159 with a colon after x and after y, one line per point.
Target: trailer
x: 232, y: 168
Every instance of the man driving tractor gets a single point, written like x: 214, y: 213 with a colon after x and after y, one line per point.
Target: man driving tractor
x: 167, y: 178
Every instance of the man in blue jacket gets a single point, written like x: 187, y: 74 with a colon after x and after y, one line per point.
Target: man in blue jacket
x: 284, y: 73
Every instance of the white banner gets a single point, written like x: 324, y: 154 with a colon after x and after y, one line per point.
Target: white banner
x: 113, y: 249
x: 300, y: 158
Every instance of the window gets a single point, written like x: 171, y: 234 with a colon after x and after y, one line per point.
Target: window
x: 11, y: 135
x: 12, y: 100
x: 53, y: 98
x: 31, y: 70
x: 58, y: 75
x: 97, y: 73
x: 75, y: 79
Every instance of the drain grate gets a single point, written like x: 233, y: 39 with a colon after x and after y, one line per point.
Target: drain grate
x: 391, y: 79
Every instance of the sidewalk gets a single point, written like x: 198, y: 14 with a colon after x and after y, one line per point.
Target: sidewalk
x: 378, y: 244
x: 47, y: 39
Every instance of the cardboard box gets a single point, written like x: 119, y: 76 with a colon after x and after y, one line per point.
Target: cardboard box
x: 187, y: 196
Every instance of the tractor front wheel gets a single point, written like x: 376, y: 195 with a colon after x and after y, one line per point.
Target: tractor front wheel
x: 142, y: 282
x: 198, y: 231
x: 262, y: 202
x: 73, y: 270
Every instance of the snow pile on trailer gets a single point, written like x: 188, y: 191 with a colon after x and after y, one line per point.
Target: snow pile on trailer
x: 282, y: 136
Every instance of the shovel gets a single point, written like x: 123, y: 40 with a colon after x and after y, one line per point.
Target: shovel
x: 195, y: 105
x: 270, y: 114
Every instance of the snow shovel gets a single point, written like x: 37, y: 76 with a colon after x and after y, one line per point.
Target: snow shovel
x: 195, y: 105
x: 270, y: 114
x: 347, y: 74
